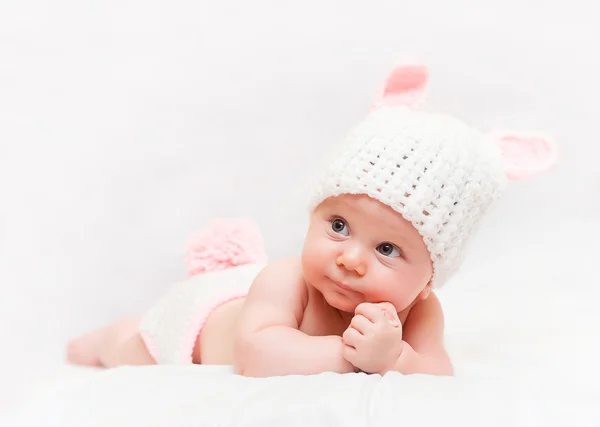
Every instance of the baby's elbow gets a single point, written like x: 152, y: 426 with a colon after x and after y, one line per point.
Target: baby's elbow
x: 447, y: 371
x: 240, y: 354
x: 445, y: 368
x: 435, y: 364
x: 239, y: 365
x: 247, y: 357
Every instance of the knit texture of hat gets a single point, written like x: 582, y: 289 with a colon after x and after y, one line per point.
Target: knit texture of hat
x: 437, y: 172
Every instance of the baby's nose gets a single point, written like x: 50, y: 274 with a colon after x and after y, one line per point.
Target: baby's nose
x: 352, y: 259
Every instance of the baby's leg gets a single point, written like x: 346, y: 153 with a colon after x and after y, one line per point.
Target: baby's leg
x: 117, y: 344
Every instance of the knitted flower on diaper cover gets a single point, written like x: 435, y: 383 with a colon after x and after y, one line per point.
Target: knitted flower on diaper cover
x: 225, y: 243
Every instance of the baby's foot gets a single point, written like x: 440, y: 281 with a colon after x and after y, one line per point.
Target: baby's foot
x: 85, y: 349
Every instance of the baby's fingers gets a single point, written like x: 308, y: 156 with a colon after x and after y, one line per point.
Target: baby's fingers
x: 390, y: 313
x: 361, y: 324
x: 352, y: 337
x: 350, y: 354
x: 372, y: 312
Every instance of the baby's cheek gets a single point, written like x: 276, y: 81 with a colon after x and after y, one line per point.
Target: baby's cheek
x: 312, y: 258
x: 389, y: 288
x: 318, y: 247
x: 318, y: 258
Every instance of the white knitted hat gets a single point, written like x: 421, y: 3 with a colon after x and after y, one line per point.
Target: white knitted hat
x: 436, y: 171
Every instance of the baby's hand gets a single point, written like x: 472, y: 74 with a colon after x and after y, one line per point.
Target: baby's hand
x: 373, y: 341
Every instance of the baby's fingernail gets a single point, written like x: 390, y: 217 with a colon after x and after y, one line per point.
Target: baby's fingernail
x: 392, y: 319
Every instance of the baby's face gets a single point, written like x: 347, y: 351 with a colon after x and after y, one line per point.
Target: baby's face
x: 359, y: 250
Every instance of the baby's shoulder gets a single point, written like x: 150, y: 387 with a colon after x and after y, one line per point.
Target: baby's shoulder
x: 291, y: 267
x: 283, y: 273
x: 282, y: 280
x: 428, y: 309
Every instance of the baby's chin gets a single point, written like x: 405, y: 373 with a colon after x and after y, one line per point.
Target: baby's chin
x: 343, y: 301
x: 340, y: 301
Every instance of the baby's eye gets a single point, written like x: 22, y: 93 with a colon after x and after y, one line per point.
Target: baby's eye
x: 340, y: 227
x: 388, y: 249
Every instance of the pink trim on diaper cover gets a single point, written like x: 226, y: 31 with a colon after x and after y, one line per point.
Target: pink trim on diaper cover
x: 189, y: 342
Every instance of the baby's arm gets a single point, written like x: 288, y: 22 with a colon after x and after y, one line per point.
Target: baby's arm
x: 268, y: 342
x: 423, y: 335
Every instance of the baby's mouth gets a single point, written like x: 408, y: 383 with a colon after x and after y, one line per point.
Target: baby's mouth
x: 343, y: 286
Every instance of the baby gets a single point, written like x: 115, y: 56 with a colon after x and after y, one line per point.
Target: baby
x: 391, y: 214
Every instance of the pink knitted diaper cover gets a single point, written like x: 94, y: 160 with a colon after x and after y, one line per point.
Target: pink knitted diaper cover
x: 171, y: 327
x: 223, y: 261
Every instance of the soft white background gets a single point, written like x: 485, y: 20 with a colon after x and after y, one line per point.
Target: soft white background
x: 126, y: 125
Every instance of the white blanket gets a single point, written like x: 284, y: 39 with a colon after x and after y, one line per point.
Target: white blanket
x: 207, y: 396
x: 522, y: 329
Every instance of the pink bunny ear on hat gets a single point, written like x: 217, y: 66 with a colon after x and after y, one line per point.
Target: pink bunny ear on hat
x: 525, y: 154
x: 404, y: 86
